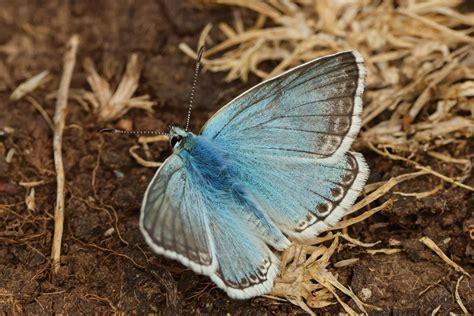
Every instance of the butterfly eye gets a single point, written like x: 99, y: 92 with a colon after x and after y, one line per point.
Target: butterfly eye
x: 175, y: 140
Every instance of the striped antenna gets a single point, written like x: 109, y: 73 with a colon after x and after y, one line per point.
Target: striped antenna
x: 134, y: 133
x: 193, y: 88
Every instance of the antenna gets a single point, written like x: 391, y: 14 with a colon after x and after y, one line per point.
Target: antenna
x: 191, y: 99
x: 193, y: 88
x: 134, y: 133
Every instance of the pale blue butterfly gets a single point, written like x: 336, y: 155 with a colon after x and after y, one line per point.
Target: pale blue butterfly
x: 272, y: 164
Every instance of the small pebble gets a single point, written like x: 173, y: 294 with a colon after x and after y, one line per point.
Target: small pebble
x: 365, y: 294
x: 119, y: 174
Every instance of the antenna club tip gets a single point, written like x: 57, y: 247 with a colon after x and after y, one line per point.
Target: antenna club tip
x: 105, y: 130
x: 111, y: 130
x: 200, y: 52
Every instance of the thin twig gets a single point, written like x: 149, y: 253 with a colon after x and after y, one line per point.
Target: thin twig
x: 111, y: 251
x: 41, y: 110
x: 59, y: 122
x: 436, y: 310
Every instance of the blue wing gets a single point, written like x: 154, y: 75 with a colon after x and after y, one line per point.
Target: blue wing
x: 303, y: 196
x: 247, y: 266
x: 311, y: 111
x: 174, y: 220
x: 213, y: 232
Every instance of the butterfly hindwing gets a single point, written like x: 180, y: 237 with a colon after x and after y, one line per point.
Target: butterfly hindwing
x: 247, y: 267
x: 304, y: 197
x: 311, y: 111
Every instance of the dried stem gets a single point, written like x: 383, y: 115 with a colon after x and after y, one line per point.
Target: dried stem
x: 430, y: 244
x: 59, y: 121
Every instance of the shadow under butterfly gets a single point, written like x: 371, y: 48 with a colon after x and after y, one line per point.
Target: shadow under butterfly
x: 273, y: 165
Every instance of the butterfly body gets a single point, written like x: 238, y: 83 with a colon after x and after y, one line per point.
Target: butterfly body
x: 209, y: 167
x: 272, y: 165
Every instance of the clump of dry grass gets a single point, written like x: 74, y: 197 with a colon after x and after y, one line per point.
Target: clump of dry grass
x: 110, y: 105
x: 419, y: 97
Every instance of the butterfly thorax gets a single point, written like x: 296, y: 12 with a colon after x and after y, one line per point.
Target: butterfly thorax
x: 203, y: 158
x: 206, y: 160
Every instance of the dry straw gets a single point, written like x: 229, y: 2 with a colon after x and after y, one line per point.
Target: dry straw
x: 419, y: 98
x: 110, y: 105
x: 59, y: 123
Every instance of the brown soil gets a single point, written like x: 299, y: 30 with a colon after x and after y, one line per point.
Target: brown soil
x: 103, y: 272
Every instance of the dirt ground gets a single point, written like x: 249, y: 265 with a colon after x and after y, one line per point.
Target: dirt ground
x: 103, y: 271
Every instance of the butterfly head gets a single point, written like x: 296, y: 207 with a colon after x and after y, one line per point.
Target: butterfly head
x: 178, y: 137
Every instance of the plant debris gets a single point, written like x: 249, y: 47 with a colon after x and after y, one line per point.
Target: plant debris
x: 430, y: 244
x: 29, y: 85
x: 59, y: 123
x: 109, y: 105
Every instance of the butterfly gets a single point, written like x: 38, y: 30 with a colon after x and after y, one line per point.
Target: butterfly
x: 273, y: 165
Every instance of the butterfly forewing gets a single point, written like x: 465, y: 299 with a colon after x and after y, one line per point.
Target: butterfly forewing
x: 185, y: 218
x: 289, y: 138
x: 311, y: 111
